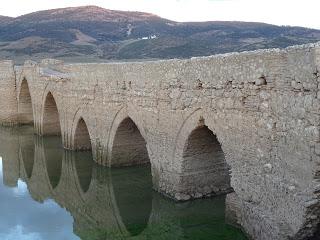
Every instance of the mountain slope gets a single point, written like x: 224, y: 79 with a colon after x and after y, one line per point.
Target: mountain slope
x: 4, y: 19
x: 95, y: 34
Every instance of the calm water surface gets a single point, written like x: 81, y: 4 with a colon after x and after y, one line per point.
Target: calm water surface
x: 48, y: 193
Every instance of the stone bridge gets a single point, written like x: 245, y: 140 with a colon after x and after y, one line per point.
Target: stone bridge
x: 248, y: 122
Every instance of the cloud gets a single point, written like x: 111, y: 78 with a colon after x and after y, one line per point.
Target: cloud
x: 17, y: 233
x: 24, y: 218
x: 21, y: 189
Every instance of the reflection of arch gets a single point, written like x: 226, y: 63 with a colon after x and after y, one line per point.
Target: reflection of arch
x: 127, y: 141
x: 82, y: 139
x: 26, y: 153
x: 50, y: 118
x: 83, y: 164
x: 70, y: 182
x: 201, y: 162
x: 44, y: 190
x: 83, y: 195
x: 132, y: 197
x: 53, y: 153
x: 25, y: 109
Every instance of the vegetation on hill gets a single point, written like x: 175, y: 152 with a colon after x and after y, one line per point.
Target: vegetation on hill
x: 92, y: 33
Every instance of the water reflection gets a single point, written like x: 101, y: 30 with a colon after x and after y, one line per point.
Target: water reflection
x: 131, y: 188
x: 103, y: 203
x: 53, y: 152
x: 84, y: 164
x: 27, y: 154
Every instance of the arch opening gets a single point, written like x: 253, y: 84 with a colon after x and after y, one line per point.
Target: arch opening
x: 25, y: 104
x: 129, y: 147
x: 51, y: 122
x: 82, y: 139
x: 83, y: 159
x: 204, y: 169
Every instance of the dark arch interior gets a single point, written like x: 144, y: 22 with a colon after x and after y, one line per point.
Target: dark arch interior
x: 53, y: 156
x: 51, y: 122
x: 204, y: 170
x: 129, y: 147
x: 132, y: 187
x: 82, y: 137
x: 25, y: 104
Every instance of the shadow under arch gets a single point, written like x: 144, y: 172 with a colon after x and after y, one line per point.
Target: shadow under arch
x: 82, y: 139
x: 25, y: 109
x: 50, y: 119
x: 203, y: 170
x: 128, y: 145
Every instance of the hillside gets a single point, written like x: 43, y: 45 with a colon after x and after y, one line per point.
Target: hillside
x: 4, y: 19
x: 92, y: 33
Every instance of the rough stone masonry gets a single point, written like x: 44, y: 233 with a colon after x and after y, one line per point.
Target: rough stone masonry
x: 248, y: 122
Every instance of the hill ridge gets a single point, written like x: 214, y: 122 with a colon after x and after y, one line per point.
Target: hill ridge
x: 91, y: 33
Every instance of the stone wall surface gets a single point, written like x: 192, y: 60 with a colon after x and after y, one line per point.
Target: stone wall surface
x: 263, y: 107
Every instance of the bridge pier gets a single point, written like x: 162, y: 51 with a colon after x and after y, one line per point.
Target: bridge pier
x: 9, y: 149
x: 8, y: 100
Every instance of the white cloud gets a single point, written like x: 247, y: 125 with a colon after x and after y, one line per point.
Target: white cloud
x: 21, y: 189
x: 280, y: 12
x: 17, y: 233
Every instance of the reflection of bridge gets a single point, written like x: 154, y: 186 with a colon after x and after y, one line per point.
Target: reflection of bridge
x: 98, y: 203
x: 263, y: 107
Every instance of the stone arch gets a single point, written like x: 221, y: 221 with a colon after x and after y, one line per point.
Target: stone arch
x: 202, y: 167
x: 50, y: 118
x: 127, y: 143
x: 81, y: 136
x: 82, y: 159
x: 25, y: 109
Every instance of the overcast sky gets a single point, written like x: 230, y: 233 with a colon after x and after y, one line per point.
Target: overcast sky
x: 281, y: 12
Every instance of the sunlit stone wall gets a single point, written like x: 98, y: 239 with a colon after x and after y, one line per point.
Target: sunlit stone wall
x: 8, y: 95
x: 263, y: 108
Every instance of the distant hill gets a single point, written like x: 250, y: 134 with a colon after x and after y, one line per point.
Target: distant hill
x: 4, y: 19
x: 92, y: 33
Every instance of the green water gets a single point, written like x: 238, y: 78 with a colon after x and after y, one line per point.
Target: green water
x: 48, y: 193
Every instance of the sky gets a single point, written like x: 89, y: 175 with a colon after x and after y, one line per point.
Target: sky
x: 280, y: 12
